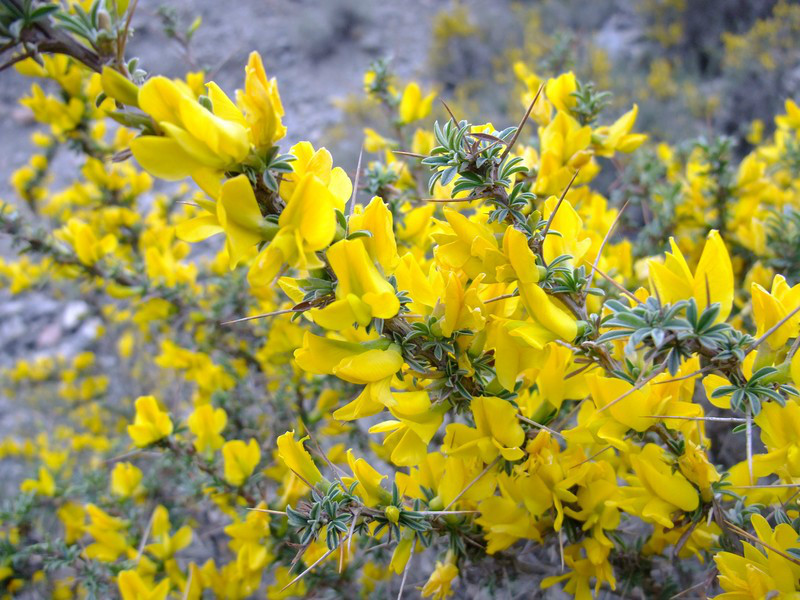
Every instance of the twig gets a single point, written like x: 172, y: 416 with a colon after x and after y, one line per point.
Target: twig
x: 405, y: 571
x: 749, y: 421
x: 355, y: 181
x: 145, y: 535
x: 267, y: 510
x: 521, y: 125
x: 449, y: 112
x: 274, y: 313
x: 503, y: 297
x: 772, y: 330
x: 742, y: 533
x: 473, y: 482
x: 539, y: 425
x: 410, y: 154
x: 636, y: 387
x: 557, y: 206
x: 719, y: 419
x: 319, y: 560
x: 614, y: 282
x: 604, y: 242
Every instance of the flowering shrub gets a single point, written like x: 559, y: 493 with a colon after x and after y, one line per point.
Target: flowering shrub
x: 463, y: 358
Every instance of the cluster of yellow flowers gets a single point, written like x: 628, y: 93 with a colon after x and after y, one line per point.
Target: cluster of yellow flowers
x: 466, y: 318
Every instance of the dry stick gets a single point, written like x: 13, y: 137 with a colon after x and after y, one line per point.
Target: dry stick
x: 336, y: 470
x: 521, y: 125
x: 794, y: 347
x: 742, y: 533
x: 539, y: 425
x: 274, y: 313
x: 355, y: 181
x: 188, y: 587
x: 319, y: 560
x: 595, y: 455
x: 682, y: 377
x: 268, y: 511
x: 749, y: 421
x: 473, y: 482
x: 636, y: 387
x: 766, y: 486
x: 356, y: 514
x: 145, y: 535
x: 616, y: 284
x: 469, y: 199
x: 449, y: 112
x: 719, y: 419
x: 409, y: 154
x: 558, y: 205
x: 683, y: 539
x: 772, y: 330
x: 704, y: 583
x: 503, y: 297
x: 405, y: 571
x: 604, y: 242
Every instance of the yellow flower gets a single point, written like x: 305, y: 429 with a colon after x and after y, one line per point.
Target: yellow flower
x: 298, y: 460
x: 773, y: 306
x: 240, y: 460
x: 150, y: 424
x: 762, y: 571
x: 618, y: 136
x: 166, y: 546
x: 369, y: 480
x: 307, y: 225
x: 417, y: 421
x: 87, y: 246
x: 656, y: 492
x: 196, y: 140
x: 261, y: 104
x: 362, y: 293
x: 45, y: 485
x: 206, y: 423
x: 133, y: 587
x: 240, y: 217
x: 126, y: 480
x: 372, y: 364
x: 439, y: 584
x: 497, y: 432
x: 712, y: 280
x: 377, y: 219
x: 559, y: 91
x: 413, y: 106
x: 107, y: 531
x: 73, y: 516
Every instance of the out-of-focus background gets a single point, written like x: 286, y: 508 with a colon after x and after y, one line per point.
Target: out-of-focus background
x: 695, y: 68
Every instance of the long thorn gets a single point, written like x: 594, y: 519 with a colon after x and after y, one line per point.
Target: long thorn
x: 539, y: 425
x: 558, y: 205
x: 409, y: 154
x: 473, y: 482
x: 319, y: 560
x: 449, y: 112
x: 405, y: 571
x: 355, y: 181
x: 636, y: 387
x: 682, y: 418
x: 772, y: 330
x: 616, y: 284
x: 604, y: 242
x: 521, y: 125
x: 274, y: 313
x: 749, y: 417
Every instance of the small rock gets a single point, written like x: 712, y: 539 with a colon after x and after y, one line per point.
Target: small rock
x: 49, y: 336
